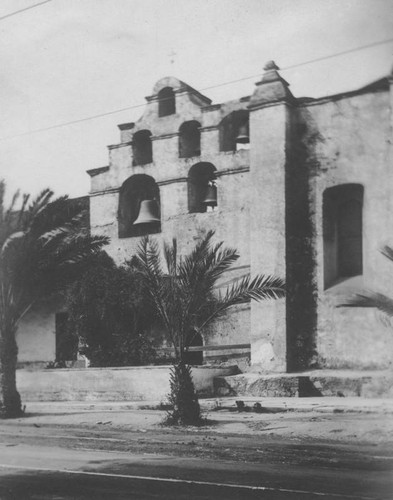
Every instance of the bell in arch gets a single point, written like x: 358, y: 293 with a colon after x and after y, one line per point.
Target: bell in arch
x: 148, y: 213
x: 210, y: 199
x: 243, y: 135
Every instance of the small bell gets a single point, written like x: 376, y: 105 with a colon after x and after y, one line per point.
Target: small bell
x: 210, y: 199
x: 148, y: 213
x: 243, y: 137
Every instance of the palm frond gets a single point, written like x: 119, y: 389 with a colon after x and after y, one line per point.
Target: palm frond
x: 387, y: 251
x: 170, y: 254
x: 40, y: 252
x: 150, y: 270
x: 65, y: 249
x: 38, y: 204
x: 371, y: 299
x: 2, y: 195
x: 260, y: 288
x: 368, y: 298
x: 8, y: 223
x: 219, y: 262
x: 11, y: 219
x: 183, y: 297
x: 22, y: 211
x: 243, y: 291
x: 205, y: 264
x: 192, y: 261
x: 14, y: 199
x: 54, y: 236
x: 57, y: 213
x: 41, y: 200
x: 198, y: 279
x: 149, y: 257
x: 11, y: 240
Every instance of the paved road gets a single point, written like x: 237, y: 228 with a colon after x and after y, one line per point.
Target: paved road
x: 70, y: 465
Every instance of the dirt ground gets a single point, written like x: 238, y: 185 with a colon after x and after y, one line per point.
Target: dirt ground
x: 305, y: 434
x: 332, y: 423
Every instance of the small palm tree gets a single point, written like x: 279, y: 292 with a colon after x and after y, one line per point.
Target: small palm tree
x: 368, y: 298
x: 42, y: 247
x: 185, y: 299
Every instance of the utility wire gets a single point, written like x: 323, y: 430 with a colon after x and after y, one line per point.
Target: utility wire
x: 93, y: 117
x: 310, y: 61
x: 23, y: 10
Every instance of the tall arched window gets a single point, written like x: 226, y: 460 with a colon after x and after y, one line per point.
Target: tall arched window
x: 166, y: 102
x: 349, y: 233
x: 135, y: 190
x: 342, y: 232
x: 189, y: 139
x: 202, y: 190
x: 141, y: 148
x: 234, y: 131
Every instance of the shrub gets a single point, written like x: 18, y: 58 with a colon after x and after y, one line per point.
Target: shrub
x: 107, y: 311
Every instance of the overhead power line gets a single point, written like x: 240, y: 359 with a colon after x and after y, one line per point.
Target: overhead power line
x: 230, y: 82
x: 23, y: 10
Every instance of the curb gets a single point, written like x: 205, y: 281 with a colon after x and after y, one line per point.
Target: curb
x: 245, y: 404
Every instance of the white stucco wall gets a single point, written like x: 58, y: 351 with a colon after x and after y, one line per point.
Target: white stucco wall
x: 142, y: 383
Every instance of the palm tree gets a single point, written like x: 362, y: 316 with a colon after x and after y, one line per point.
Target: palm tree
x: 185, y: 299
x: 368, y: 298
x: 43, y: 245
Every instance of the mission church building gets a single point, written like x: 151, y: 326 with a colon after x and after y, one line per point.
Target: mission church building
x: 301, y: 187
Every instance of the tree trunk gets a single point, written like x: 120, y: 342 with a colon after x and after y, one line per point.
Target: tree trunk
x: 183, y: 397
x: 10, y: 402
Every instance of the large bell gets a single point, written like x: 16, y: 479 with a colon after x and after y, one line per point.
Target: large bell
x: 148, y: 213
x: 210, y: 199
x: 243, y: 137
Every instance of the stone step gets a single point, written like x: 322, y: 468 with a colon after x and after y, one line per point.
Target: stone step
x: 331, y: 383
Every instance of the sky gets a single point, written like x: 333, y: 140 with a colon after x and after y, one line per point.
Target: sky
x: 68, y: 60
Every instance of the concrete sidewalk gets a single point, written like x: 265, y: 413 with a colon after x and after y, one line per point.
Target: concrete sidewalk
x: 270, y: 405
x: 345, y: 420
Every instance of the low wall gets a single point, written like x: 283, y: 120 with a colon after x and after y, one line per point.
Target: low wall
x: 139, y: 383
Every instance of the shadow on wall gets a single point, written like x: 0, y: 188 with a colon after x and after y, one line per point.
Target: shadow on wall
x: 301, y: 263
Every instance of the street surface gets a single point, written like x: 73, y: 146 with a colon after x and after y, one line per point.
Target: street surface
x: 47, y: 461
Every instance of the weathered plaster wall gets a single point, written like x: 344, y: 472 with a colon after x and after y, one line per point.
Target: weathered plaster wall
x: 36, y: 335
x: 231, y: 219
x: 353, y: 145
x: 268, y: 129
x: 142, y: 383
x: 270, y: 209
x: 301, y: 313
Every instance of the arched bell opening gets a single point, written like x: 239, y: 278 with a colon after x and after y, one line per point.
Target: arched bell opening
x: 202, y: 188
x: 142, y: 152
x: 194, y: 339
x: 166, y: 102
x: 139, y: 207
x: 189, y: 139
x: 234, y: 131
